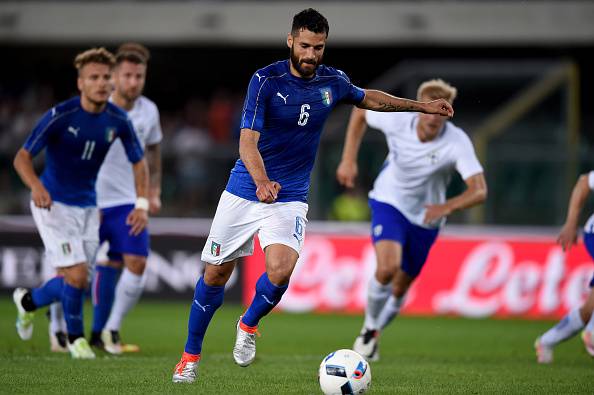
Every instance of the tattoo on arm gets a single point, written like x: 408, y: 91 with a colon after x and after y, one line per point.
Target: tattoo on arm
x: 389, y: 107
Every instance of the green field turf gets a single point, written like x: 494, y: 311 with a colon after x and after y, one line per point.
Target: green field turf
x: 418, y: 355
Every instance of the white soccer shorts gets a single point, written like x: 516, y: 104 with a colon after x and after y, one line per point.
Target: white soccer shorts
x: 238, y: 220
x: 70, y: 234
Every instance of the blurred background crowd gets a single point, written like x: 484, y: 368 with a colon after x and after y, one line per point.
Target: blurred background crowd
x: 525, y: 102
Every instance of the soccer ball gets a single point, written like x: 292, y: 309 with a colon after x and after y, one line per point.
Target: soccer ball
x: 344, y: 372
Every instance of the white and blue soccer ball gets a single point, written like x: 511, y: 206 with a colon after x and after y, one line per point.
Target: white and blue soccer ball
x: 344, y: 372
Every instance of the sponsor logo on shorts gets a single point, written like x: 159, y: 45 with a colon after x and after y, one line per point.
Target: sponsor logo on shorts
x: 215, y: 249
x: 66, y: 249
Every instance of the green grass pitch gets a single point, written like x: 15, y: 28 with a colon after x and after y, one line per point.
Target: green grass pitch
x: 418, y: 355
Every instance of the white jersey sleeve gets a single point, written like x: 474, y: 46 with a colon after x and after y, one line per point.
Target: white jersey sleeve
x: 467, y: 164
x: 155, y: 134
x: 383, y: 121
x: 115, y: 181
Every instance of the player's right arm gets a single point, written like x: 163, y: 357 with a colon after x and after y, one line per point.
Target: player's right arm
x: 23, y: 164
x: 581, y: 190
x: 23, y: 161
x: 347, y: 170
x: 266, y: 190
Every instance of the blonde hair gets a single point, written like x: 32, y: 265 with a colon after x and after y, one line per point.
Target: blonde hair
x: 437, y: 89
x: 94, y: 55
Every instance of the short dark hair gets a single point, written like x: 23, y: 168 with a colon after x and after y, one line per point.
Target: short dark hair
x: 133, y: 53
x: 311, y: 20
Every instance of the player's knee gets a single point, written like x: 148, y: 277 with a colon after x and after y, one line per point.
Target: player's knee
x: 76, y: 280
x: 136, y: 264
x: 585, y: 313
x: 279, y: 276
x: 385, y: 273
x: 217, y: 276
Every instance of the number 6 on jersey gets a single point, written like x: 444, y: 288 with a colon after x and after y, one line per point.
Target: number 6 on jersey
x: 304, y: 116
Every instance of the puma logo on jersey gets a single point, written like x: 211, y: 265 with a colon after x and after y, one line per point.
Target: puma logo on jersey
x: 282, y: 97
x: 259, y: 77
x: 73, y: 130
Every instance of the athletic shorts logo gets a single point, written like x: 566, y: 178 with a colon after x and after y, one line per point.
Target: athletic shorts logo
x: 377, y: 230
x: 110, y: 134
x: 215, y: 249
x: 326, y: 96
x: 66, y: 249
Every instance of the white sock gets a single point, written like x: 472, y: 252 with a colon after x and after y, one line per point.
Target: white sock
x: 390, y: 311
x: 127, y: 293
x: 377, y: 295
x: 567, y: 327
x: 57, y: 322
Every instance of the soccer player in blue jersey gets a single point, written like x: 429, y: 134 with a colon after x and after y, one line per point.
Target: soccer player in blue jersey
x: 284, y: 113
x: 76, y: 135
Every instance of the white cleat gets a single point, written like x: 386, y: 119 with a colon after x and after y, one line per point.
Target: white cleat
x: 24, y: 322
x: 588, y: 339
x: 367, y: 345
x: 244, y: 351
x: 544, y: 354
x: 80, y: 349
x: 187, y: 369
x: 111, y: 342
x: 58, y: 341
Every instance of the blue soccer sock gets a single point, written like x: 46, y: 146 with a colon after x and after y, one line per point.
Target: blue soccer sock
x: 72, y: 303
x: 206, y: 301
x: 103, y: 292
x: 267, y: 296
x: 49, y: 292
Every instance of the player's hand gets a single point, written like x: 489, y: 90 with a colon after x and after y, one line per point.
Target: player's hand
x: 434, y: 212
x: 346, y: 173
x: 567, y: 236
x: 41, y: 197
x: 267, y: 191
x: 137, y: 220
x: 439, y: 106
x: 154, y: 205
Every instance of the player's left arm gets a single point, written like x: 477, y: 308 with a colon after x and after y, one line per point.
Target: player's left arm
x: 383, y: 102
x: 138, y: 218
x: 475, y: 193
x: 153, y: 155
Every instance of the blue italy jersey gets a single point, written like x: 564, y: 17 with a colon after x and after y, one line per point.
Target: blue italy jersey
x: 76, y: 143
x: 289, y: 113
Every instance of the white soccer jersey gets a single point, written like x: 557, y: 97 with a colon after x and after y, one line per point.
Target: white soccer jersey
x: 416, y: 174
x: 115, y: 182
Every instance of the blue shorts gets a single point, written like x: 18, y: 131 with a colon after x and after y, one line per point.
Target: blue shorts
x: 589, y: 242
x: 114, y: 229
x: 387, y: 223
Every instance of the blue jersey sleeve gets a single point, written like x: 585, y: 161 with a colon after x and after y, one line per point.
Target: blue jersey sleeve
x: 44, y: 129
x: 254, y: 107
x: 350, y: 93
x: 132, y: 145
